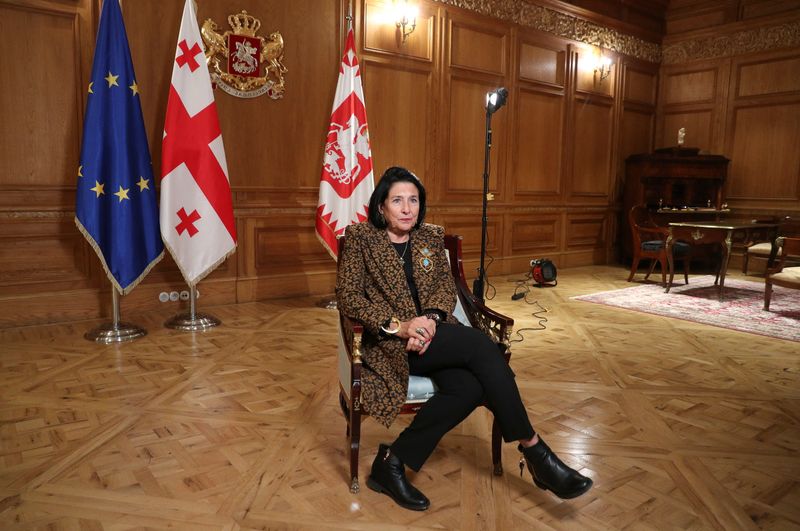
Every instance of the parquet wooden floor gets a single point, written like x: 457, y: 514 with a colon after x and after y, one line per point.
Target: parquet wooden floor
x: 681, y: 425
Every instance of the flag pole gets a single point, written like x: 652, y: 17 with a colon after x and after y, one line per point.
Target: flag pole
x: 123, y: 232
x: 116, y: 331
x: 330, y: 304
x: 197, y: 250
x: 192, y: 321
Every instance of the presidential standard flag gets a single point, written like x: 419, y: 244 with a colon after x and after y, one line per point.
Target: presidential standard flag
x: 197, y: 222
x: 347, y: 182
x: 115, y: 205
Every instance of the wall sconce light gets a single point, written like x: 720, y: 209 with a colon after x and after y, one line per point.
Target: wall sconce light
x: 405, y: 18
x: 603, y: 66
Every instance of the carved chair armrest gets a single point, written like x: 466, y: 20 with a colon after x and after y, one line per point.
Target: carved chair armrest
x: 789, y: 246
x: 494, y: 324
x: 352, y: 331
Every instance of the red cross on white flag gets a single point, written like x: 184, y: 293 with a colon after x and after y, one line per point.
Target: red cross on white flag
x: 347, y: 181
x: 196, y: 214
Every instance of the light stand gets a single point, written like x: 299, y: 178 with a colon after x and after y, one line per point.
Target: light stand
x: 494, y: 100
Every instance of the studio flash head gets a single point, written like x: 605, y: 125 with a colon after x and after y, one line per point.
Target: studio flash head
x: 496, y: 99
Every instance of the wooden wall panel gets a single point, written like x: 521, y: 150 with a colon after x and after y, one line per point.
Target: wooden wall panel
x: 468, y: 226
x: 765, y: 161
x: 585, y: 230
x: 281, y: 257
x: 636, y: 133
x: 780, y: 75
x: 39, y: 253
x: 690, y: 87
x: 395, y: 139
x: 586, y: 239
x: 640, y: 86
x: 537, y: 143
x: 698, y: 127
x: 694, y: 20
x: 41, y: 49
x: 467, y: 127
x: 592, y: 143
x: 532, y: 235
x: 475, y: 48
x: 760, y: 8
x: 279, y: 244
x: 542, y: 64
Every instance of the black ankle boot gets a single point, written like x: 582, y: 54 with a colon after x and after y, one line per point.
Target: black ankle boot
x: 550, y: 473
x: 389, y: 477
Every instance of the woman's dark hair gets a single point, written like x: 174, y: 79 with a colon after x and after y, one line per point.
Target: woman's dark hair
x: 395, y: 174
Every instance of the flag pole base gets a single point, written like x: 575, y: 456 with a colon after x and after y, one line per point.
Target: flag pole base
x: 115, y: 333
x: 192, y: 323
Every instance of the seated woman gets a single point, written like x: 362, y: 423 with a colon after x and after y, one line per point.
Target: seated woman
x: 395, y: 279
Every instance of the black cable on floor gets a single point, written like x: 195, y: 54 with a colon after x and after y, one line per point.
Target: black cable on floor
x: 521, y: 291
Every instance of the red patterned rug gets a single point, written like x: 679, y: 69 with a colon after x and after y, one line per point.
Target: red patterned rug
x: 741, y: 308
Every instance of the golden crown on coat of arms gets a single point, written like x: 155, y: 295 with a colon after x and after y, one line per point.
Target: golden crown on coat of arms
x: 244, y: 24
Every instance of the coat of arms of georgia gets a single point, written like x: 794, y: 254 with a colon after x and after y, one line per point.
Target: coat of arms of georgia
x: 245, y: 55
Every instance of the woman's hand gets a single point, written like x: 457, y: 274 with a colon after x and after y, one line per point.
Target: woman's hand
x: 419, y: 331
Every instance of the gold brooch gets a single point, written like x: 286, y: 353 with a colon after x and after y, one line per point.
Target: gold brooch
x: 425, y: 261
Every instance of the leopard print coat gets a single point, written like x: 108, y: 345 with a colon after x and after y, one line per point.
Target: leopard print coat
x: 371, y: 288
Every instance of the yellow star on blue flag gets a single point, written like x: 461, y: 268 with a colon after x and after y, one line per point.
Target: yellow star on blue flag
x: 122, y: 227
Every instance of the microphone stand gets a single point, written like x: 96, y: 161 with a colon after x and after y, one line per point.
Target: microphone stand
x: 478, y: 284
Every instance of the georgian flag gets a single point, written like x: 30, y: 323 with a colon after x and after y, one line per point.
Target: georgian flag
x: 196, y: 214
x: 347, y: 181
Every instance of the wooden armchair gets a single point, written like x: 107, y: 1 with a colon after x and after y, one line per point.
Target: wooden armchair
x: 469, y: 311
x: 787, y: 277
x: 787, y: 226
x: 650, y: 240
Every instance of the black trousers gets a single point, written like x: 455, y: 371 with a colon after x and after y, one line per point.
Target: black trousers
x: 468, y: 370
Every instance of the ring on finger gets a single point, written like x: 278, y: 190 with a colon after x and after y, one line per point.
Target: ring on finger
x: 421, y: 342
x: 421, y: 331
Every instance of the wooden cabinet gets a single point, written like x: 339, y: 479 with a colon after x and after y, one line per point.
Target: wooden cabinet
x: 677, y: 184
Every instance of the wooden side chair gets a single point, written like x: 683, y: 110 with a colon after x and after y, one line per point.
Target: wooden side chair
x: 788, y: 226
x: 787, y: 277
x: 469, y: 311
x: 650, y: 242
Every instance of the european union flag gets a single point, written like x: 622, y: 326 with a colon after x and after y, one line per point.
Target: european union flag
x: 116, y: 206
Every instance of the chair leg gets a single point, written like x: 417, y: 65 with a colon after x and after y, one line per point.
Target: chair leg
x: 634, y: 268
x: 767, y: 295
x: 345, y: 412
x: 497, y: 457
x: 744, y: 261
x: 686, y: 270
x: 353, y: 437
x: 663, y: 264
x: 652, y: 268
x: 354, y: 442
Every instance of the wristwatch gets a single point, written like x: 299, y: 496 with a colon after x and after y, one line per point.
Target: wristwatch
x: 434, y: 316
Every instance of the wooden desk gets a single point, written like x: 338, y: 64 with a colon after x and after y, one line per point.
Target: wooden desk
x: 673, y: 177
x: 721, y: 232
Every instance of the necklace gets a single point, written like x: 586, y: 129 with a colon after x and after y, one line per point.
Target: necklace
x: 402, y: 256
